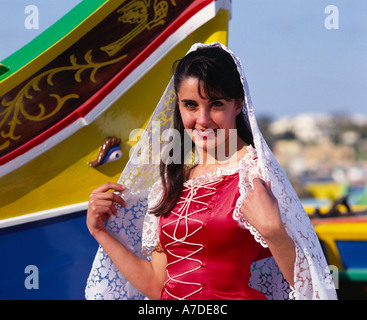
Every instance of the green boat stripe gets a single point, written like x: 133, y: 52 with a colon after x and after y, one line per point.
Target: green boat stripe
x: 354, y: 274
x: 50, y: 36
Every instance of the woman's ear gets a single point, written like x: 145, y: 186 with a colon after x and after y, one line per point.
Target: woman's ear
x: 238, y: 105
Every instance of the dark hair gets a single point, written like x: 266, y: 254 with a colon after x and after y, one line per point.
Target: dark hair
x: 216, y: 71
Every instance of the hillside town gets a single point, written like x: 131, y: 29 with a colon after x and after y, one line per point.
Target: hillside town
x: 319, y: 147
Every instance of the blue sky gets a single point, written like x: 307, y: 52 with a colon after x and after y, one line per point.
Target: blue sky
x: 293, y: 63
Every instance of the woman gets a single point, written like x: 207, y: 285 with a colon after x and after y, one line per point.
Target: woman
x: 214, y: 230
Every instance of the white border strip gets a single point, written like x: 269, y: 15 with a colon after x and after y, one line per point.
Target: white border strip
x: 42, y: 215
x: 196, y: 21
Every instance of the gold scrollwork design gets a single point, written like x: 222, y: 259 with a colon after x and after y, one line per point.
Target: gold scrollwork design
x: 134, y: 12
x: 137, y: 11
x: 15, y: 107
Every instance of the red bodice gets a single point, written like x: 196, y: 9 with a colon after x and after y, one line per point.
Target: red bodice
x: 208, y: 254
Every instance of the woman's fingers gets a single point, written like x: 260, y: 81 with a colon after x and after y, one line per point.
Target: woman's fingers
x: 109, y: 186
x: 108, y: 196
x: 100, y: 206
x: 101, y: 212
x: 270, y: 192
x: 266, y: 186
x: 101, y: 193
x: 259, y: 184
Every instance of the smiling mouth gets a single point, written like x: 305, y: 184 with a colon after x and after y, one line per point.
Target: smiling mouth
x: 205, y: 133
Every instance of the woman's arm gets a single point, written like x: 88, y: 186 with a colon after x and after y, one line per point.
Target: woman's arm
x: 261, y: 209
x: 284, y: 252
x: 147, y: 277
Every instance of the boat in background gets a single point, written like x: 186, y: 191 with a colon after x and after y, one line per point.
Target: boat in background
x: 325, y: 194
x: 344, y: 241
x: 341, y: 225
x: 69, y: 101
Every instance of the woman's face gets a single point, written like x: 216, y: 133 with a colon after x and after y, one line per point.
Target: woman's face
x: 207, y: 121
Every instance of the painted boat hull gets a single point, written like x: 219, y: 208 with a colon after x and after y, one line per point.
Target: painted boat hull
x: 50, y: 169
x: 60, y: 248
x: 46, y: 180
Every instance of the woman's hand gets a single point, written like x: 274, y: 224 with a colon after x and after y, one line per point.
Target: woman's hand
x: 261, y: 210
x: 102, y: 206
x: 147, y: 277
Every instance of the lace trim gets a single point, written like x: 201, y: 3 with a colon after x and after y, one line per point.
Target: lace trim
x: 150, y: 237
x: 247, y: 173
x: 267, y: 278
x: 219, y: 172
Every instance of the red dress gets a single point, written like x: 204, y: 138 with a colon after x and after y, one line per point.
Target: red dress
x: 208, y: 254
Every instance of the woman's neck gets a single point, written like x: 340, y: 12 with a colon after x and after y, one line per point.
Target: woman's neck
x: 211, y: 159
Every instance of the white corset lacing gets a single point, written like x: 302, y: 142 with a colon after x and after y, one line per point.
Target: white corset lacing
x: 183, y: 214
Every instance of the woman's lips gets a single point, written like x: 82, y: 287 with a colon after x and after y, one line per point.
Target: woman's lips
x: 205, y: 133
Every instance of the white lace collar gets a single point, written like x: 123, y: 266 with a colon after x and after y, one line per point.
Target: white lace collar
x: 247, y: 159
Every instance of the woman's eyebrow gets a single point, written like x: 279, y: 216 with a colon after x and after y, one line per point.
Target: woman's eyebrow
x: 217, y: 98
x: 188, y: 100
x: 210, y: 100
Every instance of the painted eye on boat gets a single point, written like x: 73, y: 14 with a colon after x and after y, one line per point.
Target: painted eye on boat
x: 113, y: 154
x: 110, y: 151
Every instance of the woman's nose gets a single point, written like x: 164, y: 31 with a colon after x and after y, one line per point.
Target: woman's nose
x: 203, y: 117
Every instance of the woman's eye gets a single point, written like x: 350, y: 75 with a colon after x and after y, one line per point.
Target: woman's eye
x: 190, y: 105
x: 217, y: 104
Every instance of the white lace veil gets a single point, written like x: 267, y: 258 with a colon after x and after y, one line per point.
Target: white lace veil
x: 312, y: 275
